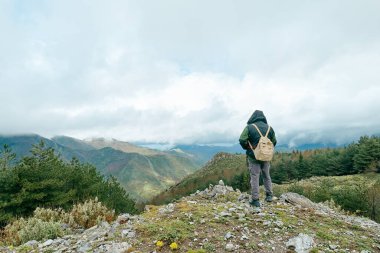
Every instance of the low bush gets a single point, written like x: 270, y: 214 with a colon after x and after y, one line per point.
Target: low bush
x: 47, y: 214
x: 47, y: 223
x: 168, y: 231
x: 24, y: 230
x: 89, y: 213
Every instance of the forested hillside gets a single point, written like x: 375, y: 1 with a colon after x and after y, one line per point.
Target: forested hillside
x: 43, y: 179
x: 141, y: 171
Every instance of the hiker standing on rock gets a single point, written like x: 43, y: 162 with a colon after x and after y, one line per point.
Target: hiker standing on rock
x: 259, y: 139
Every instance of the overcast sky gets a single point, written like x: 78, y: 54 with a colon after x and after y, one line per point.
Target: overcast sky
x: 184, y: 71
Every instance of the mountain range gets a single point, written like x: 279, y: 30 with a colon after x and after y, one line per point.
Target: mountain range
x: 143, y: 172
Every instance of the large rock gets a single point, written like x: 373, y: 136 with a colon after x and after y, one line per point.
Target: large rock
x: 301, y: 243
x: 320, y: 208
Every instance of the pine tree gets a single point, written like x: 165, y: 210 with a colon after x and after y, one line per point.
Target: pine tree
x: 7, y: 157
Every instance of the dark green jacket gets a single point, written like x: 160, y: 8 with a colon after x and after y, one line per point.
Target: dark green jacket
x: 250, y: 133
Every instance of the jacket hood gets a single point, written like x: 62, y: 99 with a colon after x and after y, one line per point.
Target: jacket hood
x: 257, y: 116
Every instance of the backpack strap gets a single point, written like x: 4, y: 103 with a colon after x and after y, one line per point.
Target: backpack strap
x: 266, y: 135
x: 257, y: 129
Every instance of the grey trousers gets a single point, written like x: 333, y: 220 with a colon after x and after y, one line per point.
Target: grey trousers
x: 255, y: 167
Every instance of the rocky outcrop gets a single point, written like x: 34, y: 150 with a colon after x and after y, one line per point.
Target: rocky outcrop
x: 322, y: 209
x: 220, y: 219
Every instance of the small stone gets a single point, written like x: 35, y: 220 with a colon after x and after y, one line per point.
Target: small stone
x: 221, y: 182
x: 225, y: 214
x: 243, y: 197
x: 166, y: 209
x: 31, y: 243
x: 228, y: 236
x: 279, y: 223
x: 267, y: 223
x: 256, y: 210
x: 229, y: 188
x: 105, y: 224
x: 47, y: 243
x: 301, y: 243
x: 333, y: 246
x: 131, y: 234
x: 84, y: 248
x: 230, y: 247
x: 244, y: 237
x: 124, y: 232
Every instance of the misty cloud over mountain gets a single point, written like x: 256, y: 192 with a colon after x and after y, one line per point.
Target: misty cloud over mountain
x: 190, y: 72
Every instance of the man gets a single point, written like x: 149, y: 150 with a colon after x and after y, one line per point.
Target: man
x: 249, y: 138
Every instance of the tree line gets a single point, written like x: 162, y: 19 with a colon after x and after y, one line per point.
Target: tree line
x: 358, y: 157
x: 43, y: 179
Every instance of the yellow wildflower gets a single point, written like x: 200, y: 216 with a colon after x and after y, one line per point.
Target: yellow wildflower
x: 159, y: 244
x: 173, y: 246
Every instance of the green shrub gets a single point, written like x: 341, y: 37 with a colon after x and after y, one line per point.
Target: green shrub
x: 168, y: 231
x: 24, y: 230
x: 322, y: 192
x: 84, y: 215
x: 297, y: 188
x: 352, y: 197
x: 209, y: 247
x: 47, y: 223
x: 47, y: 214
x: 89, y: 214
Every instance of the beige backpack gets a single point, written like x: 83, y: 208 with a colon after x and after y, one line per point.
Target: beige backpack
x: 264, y: 150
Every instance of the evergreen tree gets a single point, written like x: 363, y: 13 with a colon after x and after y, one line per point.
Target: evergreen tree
x: 302, y: 167
x: 367, y: 155
x: 6, y: 157
x: 45, y: 180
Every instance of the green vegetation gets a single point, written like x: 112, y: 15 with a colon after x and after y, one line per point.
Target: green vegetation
x: 358, y: 194
x: 47, y: 223
x: 24, y: 230
x: 43, y: 179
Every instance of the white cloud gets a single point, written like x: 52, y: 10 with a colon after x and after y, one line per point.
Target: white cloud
x: 190, y: 71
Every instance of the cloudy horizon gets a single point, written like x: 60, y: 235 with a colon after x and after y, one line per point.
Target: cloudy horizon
x: 190, y: 71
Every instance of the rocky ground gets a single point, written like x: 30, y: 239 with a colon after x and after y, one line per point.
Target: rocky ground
x: 220, y: 219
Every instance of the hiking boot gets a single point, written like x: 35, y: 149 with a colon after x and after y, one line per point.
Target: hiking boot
x: 255, y: 203
x: 269, y: 198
